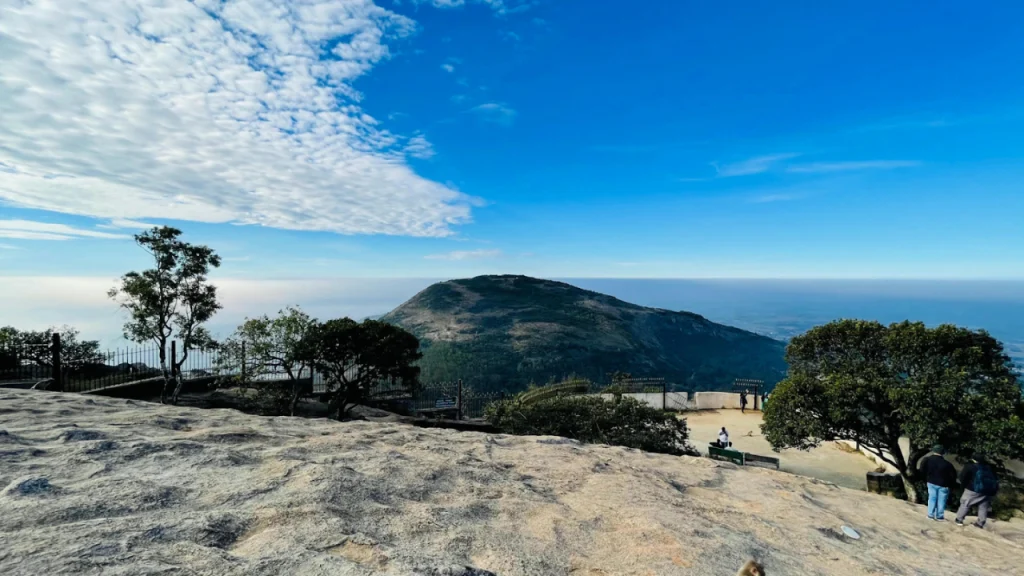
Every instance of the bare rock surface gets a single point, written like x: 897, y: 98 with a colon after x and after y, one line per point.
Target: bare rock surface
x: 118, y: 487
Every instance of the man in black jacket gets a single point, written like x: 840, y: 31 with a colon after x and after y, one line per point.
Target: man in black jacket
x: 980, y: 487
x: 940, y: 475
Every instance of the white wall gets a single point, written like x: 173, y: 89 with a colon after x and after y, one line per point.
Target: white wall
x: 889, y: 468
x: 670, y: 400
x: 718, y: 401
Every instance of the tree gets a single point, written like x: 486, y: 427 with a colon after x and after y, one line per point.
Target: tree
x: 352, y: 357
x: 172, y: 298
x: 591, y: 419
x: 35, y: 347
x: 263, y: 346
x: 873, y: 384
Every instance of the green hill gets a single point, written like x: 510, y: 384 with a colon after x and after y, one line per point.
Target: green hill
x: 503, y: 332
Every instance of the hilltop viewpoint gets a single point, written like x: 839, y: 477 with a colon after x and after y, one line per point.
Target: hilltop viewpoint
x: 118, y: 487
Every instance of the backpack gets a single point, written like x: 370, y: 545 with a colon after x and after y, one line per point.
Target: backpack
x: 985, y: 481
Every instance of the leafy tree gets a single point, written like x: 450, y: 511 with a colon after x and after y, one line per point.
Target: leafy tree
x: 873, y: 384
x: 264, y: 346
x: 35, y: 347
x: 352, y: 357
x: 593, y: 420
x: 173, y: 298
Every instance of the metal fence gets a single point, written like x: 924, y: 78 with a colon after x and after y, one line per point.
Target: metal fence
x: 631, y: 386
x: 24, y: 366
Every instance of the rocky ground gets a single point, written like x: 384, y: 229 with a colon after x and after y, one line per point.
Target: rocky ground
x: 107, y: 486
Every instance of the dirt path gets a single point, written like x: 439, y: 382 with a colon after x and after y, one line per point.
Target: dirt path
x: 828, y: 462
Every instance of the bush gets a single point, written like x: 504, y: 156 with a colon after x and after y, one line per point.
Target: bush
x: 266, y: 398
x: 593, y: 420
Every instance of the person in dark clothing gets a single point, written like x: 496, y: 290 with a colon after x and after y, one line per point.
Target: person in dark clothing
x: 980, y: 487
x: 940, y: 475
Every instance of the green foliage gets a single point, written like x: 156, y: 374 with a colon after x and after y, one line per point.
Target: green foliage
x: 270, y: 398
x: 862, y: 381
x: 353, y: 357
x: 35, y: 347
x: 172, y: 298
x: 592, y: 420
x: 266, y: 346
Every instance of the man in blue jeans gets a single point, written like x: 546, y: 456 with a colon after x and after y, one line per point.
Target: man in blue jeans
x: 940, y: 475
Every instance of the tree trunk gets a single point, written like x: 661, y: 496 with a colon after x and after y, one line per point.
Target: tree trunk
x: 177, y: 385
x: 296, y: 390
x: 167, y: 378
x: 908, y: 470
x: 912, y: 479
x: 334, y: 405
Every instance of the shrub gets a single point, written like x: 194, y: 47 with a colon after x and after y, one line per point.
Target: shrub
x: 593, y: 420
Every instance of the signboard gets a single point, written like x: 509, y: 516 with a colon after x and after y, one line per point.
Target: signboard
x: 446, y: 403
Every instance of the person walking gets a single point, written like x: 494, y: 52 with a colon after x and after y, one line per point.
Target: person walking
x: 723, y: 439
x: 940, y: 475
x: 980, y: 487
x: 743, y: 402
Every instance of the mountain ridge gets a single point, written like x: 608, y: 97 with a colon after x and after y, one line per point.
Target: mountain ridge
x: 506, y: 331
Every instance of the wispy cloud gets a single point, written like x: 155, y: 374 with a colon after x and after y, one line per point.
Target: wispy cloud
x: 419, y: 147
x: 118, y: 223
x: 496, y: 112
x: 448, y: 67
x: 750, y: 166
x: 210, y: 112
x: 500, y: 7
x: 29, y: 230
x: 780, y: 197
x: 820, y: 167
x: 465, y: 255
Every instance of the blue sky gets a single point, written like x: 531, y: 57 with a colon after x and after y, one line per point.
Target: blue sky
x: 418, y: 139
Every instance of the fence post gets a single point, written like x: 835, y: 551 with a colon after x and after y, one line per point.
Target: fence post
x: 459, y: 415
x: 58, y: 380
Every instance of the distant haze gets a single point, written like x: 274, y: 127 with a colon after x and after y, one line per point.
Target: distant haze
x: 785, y: 308
x: 777, y: 308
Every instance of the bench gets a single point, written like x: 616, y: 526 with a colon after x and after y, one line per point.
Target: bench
x: 762, y: 461
x: 734, y: 456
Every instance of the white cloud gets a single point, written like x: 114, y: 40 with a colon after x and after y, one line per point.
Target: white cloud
x: 495, y: 112
x: 500, y: 7
x: 447, y: 67
x: 818, y: 167
x: 123, y: 223
x: 419, y: 147
x: 781, y: 197
x: 465, y: 255
x: 29, y: 230
x: 237, y: 111
x: 751, y: 166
